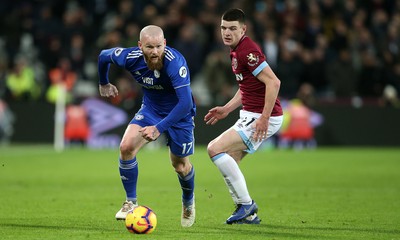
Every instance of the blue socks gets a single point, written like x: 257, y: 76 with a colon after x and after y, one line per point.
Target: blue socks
x: 187, y: 185
x: 129, y: 175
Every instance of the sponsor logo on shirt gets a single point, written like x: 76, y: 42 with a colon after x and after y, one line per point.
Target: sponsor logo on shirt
x: 118, y: 51
x: 183, y: 71
x: 148, y: 83
x: 148, y: 80
x: 156, y: 87
x: 239, y: 77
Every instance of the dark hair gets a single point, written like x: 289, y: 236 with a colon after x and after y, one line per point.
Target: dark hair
x: 234, y: 14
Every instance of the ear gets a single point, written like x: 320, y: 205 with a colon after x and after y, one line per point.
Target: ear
x: 140, y: 44
x: 244, y: 28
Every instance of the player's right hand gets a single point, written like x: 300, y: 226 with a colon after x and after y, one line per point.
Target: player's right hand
x: 108, y: 90
x: 214, y: 115
x: 150, y: 133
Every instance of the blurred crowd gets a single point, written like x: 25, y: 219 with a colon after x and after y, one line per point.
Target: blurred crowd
x: 342, y: 51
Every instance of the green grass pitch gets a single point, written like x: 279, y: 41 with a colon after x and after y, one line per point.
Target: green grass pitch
x: 328, y: 193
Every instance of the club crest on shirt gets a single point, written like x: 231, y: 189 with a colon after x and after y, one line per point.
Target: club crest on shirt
x: 139, y: 117
x: 156, y: 73
x: 252, y: 59
x: 234, y: 63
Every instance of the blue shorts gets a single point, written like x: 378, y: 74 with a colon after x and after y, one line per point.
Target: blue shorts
x: 180, y: 136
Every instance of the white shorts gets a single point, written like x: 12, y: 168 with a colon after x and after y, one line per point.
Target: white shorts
x: 245, y: 127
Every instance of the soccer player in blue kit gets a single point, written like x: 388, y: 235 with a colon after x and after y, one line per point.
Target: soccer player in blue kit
x: 167, y: 107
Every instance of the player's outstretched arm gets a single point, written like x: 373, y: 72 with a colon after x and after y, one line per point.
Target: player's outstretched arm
x: 107, y: 57
x: 217, y: 113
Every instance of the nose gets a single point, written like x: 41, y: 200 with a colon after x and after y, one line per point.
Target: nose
x: 226, y: 32
x: 153, y: 50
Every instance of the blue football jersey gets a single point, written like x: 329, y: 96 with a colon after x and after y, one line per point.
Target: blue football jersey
x: 158, y: 86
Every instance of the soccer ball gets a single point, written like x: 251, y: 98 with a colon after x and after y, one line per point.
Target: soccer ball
x: 142, y: 220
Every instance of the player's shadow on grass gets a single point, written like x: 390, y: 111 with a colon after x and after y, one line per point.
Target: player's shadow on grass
x: 59, y: 227
x: 355, y: 229
x: 256, y: 231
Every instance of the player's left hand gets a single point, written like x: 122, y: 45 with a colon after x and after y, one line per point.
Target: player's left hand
x: 150, y: 133
x: 261, y: 129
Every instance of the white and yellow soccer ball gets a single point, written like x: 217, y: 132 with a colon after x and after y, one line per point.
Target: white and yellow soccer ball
x: 142, y: 220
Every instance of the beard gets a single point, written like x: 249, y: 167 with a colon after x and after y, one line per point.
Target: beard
x: 158, y: 65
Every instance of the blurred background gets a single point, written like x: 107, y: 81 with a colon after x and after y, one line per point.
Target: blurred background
x: 338, y: 62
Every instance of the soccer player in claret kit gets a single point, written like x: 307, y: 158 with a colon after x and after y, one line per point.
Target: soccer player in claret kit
x: 260, y: 117
x: 167, y: 107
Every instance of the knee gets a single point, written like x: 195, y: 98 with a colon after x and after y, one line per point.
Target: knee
x: 212, y: 149
x: 182, y: 168
x: 126, y: 150
x: 179, y: 169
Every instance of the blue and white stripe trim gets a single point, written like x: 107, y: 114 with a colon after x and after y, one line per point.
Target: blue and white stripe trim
x: 218, y: 156
x: 128, y: 164
x: 135, y: 54
x: 182, y: 86
x: 189, y: 176
x: 259, y: 68
x: 247, y: 142
x: 169, y: 55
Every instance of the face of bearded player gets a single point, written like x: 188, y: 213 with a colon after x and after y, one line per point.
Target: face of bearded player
x: 153, y: 48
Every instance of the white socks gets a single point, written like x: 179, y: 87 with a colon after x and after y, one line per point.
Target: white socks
x: 233, y: 177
